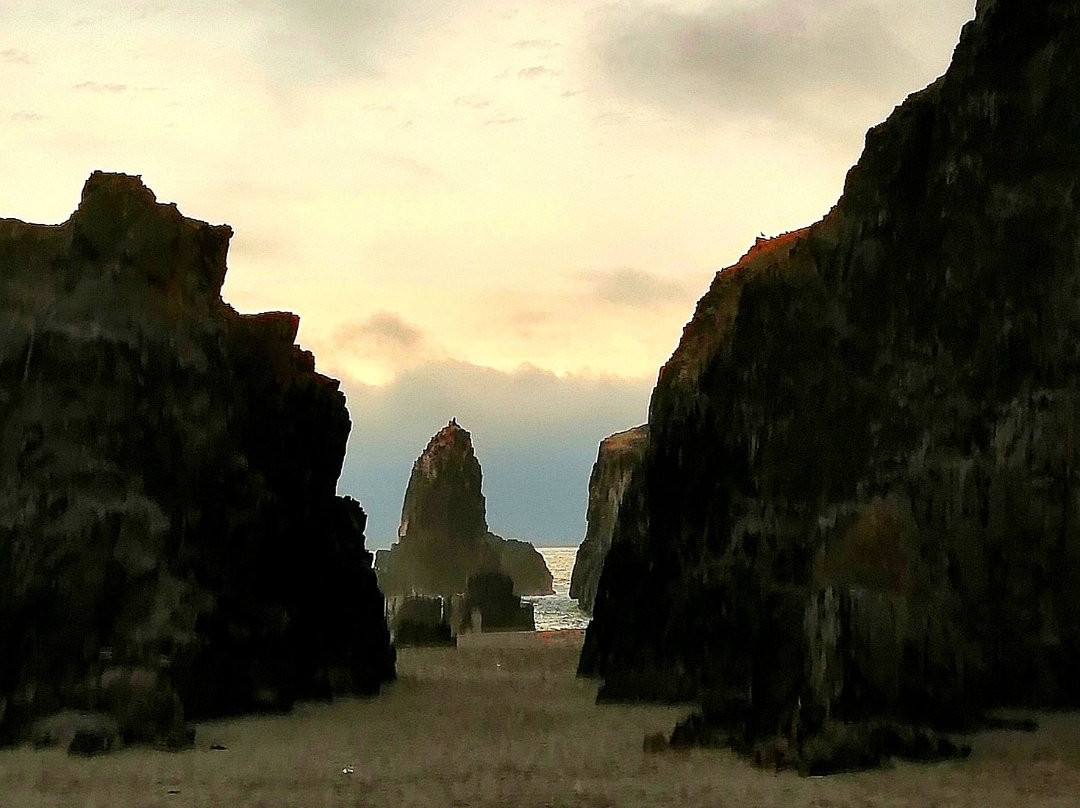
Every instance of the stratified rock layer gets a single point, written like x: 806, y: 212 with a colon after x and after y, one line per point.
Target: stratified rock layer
x: 444, y: 537
x: 860, y: 495
x: 167, y: 478
x: 616, y: 459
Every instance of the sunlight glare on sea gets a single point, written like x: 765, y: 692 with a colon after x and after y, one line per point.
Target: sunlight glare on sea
x: 558, y: 610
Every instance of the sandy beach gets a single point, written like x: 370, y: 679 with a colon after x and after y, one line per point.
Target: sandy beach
x: 502, y: 721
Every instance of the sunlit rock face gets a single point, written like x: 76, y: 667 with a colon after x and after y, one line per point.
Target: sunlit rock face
x: 860, y: 495
x: 617, y: 458
x: 167, y: 477
x: 444, y: 537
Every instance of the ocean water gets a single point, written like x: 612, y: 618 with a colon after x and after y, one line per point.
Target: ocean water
x: 558, y: 610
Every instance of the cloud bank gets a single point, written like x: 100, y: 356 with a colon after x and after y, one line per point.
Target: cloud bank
x: 781, y: 59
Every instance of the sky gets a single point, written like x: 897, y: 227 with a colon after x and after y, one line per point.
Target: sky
x: 502, y: 212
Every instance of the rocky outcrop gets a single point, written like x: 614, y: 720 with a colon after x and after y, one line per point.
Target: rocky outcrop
x: 524, y: 564
x: 617, y: 458
x: 419, y: 620
x: 443, y: 538
x: 167, y: 482
x: 489, y: 604
x: 860, y: 493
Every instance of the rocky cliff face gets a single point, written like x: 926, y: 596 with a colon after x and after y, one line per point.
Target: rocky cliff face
x: 444, y: 537
x: 617, y: 458
x: 167, y: 477
x: 860, y: 495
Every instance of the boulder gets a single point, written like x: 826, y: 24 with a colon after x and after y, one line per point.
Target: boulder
x: 419, y: 620
x: 491, y: 605
x: 524, y: 564
x: 859, y: 498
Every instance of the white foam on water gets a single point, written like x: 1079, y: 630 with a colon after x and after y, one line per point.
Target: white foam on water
x: 558, y: 610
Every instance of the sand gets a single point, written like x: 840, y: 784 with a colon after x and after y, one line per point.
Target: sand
x: 502, y: 721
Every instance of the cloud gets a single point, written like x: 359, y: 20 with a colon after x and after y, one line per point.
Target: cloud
x: 473, y: 101
x: 98, y: 87
x: 536, y: 72
x: 312, y: 41
x: 782, y: 58
x: 14, y: 56
x: 536, y: 44
x: 409, y: 165
x: 535, y: 435
x: 381, y: 332
x: 635, y: 287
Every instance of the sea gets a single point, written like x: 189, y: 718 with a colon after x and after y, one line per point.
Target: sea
x: 559, y: 610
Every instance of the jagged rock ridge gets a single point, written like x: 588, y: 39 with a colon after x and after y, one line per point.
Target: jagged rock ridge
x: 860, y: 493
x: 444, y: 538
x: 616, y: 459
x: 167, y: 479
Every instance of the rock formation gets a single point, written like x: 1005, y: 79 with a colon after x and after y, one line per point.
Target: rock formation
x: 444, y: 537
x: 524, y: 564
x: 489, y: 604
x: 419, y: 620
x: 860, y: 494
x: 168, y: 517
x: 618, y: 456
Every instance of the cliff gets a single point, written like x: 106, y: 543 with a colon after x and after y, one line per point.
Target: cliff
x: 860, y: 493
x: 167, y: 480
x: 443, y: 538
x: 616, y: 459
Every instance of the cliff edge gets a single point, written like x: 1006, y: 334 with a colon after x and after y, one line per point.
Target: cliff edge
x: 616, y: 459
x: 860, y: 494
x: 168, y: 469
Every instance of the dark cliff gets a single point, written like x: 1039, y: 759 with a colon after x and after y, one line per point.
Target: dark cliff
x: 860, y: 495
x: 167, y: 477
x: 616, y: 459
x: 444, y: 537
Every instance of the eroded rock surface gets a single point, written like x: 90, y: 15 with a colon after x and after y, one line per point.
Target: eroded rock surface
x: 860, y: 495
x: 167, y: 482
x: 444, y: 539
x: 616, y: 459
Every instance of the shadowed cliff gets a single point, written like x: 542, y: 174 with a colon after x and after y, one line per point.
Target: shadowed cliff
x: 167, y: 481
x: 860, y: 497
x: 616, y: 459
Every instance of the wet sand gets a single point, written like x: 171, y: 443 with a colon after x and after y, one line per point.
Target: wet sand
x: 502, y: 721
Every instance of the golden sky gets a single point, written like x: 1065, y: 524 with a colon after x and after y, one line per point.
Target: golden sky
x: 488, y: 189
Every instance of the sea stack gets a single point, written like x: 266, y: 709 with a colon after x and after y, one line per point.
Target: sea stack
x: 171, y: 545
x: 860, y: 496
x: 444, y: 538
x: 616, y: 459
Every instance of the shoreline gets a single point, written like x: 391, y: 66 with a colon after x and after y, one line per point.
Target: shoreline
x: 503, y: 721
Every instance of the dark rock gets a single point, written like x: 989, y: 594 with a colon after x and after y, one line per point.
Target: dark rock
x: 167, y: 481
x: 524, y: 564
x: 59, y: 729
x: 859, y: 496
x: 88, y: 742
x: 655, y: 742
x: 617, y: 458
x: 490, y: 596
x: 144, y: 703
x: 419, y: 620
x: 444, y: 537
